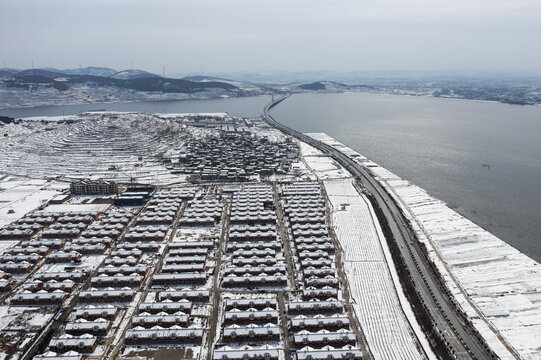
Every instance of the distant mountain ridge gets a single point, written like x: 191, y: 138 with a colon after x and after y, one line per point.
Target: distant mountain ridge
x: 131, y: 74
x: 90, y: 70
x: 137, y: 80
x: 330, y: 86
x: 200, y: 78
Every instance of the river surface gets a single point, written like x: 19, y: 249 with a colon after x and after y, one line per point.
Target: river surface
x: 482, y: 158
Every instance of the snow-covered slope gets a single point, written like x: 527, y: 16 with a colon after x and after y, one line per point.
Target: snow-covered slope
x: 132, y: 74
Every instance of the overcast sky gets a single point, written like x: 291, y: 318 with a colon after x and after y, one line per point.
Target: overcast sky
x: 261, y: 35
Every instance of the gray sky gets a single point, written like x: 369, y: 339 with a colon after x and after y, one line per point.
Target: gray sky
x: 261, y: 35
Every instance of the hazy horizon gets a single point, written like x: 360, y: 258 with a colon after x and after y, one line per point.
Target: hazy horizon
x: 278, y: 36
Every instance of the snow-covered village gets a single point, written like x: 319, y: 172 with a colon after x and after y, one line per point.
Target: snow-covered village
x: 208, y: 236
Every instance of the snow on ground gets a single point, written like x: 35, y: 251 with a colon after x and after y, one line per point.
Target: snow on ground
x: 61, y: 208
x: 374, y: 286
x: 19, y: 196
x: 498, y: 287
x: 109, y: 145
x: 323, y: 166
x: 338, y: 145
x: 502, y: 284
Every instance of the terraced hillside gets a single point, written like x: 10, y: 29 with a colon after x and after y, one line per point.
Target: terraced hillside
x: 108, y: 145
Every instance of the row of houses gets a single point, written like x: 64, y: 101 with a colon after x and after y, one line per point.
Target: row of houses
x: 72, y: 259
x: 202, y: 212
x: 166, y: 321
x: 165, y: 318
x: 82, y: 333
x: 184, y: 265
x: 254, y: 249
x: 109, y: 292
x: 318, y: 323
x: 161, y: 209
x: 42, y: 236
x: 312, y: 245
x: 53, y: 288
x: 31, y: 224
x: 248, y: 323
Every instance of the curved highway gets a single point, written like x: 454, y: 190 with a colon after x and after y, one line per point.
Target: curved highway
x: 461, y: 341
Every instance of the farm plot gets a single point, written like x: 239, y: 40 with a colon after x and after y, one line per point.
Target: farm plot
x: 373, y: 291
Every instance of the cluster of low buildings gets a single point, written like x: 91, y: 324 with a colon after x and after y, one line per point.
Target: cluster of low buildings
x: 148, y: 276
x: 113, y: 297
x: 49, y: 267
x: 169, y: 316
x: 318, y: 318
x: 96, y: 311
x: 202, y: 212
x: 253, y: 263
x: 98, y: 274
x: 250, y: 328
x: 256, y: 260
x: 235, y: 156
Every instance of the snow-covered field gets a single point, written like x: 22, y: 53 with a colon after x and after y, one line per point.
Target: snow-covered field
x: 20, y: 195
x: 117, y: 146
x: 375, y: 290
x: 498, y: 287
x: 324, y: 166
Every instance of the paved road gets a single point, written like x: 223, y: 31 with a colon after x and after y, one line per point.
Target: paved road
x: 461, y: 339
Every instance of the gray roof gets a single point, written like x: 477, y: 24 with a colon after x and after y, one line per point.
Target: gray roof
x: 169, y: 307
x: 342, y: 354
x: 266, y: 315
x: 326, y: 337
x: 320, y: 322
x: 242, y: 354
x: 142, y: 335
x: 72, y: 342
x: 87, y: 326
x: 162, y: 320
x: 90, y: 312
x: 251, y: 303
x: 184, y: 294
x: 315, y: 305
x: 251, y: 331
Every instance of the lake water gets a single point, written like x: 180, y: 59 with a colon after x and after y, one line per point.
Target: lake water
x: 483, y: 159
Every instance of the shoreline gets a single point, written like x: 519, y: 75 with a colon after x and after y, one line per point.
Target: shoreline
x: 188, y: 97
x: 445, y: 234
